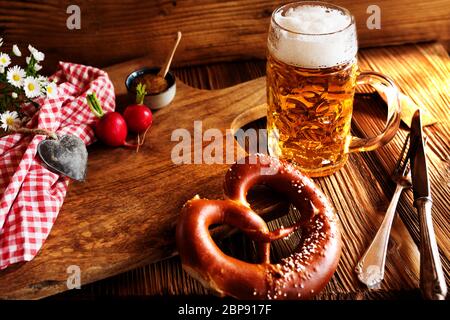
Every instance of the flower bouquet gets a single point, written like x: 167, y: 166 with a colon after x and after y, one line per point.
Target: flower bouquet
x: 21, y: 84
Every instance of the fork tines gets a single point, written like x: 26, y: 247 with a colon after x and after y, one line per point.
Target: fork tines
x: 402, y: 165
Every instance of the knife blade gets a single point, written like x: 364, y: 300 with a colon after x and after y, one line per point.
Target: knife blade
x: 432, y: 281
x: 419, y: 168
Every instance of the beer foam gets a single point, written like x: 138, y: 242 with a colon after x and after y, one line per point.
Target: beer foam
x: 313, y: 36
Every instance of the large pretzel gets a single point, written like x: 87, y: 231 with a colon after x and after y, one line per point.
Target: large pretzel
x: 301, y: 275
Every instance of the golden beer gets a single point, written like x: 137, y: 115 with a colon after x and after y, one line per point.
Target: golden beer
x: 312, y: 74
x: 309, y: 113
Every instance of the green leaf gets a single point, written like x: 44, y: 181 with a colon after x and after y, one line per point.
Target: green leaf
x: 140, y: 93
x: 94, y: 105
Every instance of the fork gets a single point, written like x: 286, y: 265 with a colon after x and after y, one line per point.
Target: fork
x: 370, y: 268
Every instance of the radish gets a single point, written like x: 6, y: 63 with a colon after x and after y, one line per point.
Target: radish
x: 111, y: 127
x: 138, y: 116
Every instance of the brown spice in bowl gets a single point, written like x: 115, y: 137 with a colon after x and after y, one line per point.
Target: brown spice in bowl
x: 154, y: 84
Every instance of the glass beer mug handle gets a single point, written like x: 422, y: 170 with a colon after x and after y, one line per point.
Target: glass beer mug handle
x: 388, y: 89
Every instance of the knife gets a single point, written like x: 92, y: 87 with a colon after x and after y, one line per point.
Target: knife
x: 432, y: 281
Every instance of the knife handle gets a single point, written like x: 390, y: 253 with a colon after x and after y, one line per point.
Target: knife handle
x: 432, y: 281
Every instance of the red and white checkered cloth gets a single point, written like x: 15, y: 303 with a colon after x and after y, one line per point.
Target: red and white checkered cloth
x: 31, y: 195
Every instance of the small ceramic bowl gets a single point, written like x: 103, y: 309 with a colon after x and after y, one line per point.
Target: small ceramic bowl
x: 157, y: 100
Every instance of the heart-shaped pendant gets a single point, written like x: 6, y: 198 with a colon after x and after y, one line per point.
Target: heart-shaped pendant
x: 67, y: 156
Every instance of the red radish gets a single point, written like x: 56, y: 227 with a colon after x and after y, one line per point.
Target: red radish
x: 138, y: 116
x: 111, y: 127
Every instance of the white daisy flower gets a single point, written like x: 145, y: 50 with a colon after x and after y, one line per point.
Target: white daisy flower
x: 43, y: 81
x: 16, y: 51
x: 2, y: 69
x: 9, y: 119
x: 5, y: 60
x: 15, y: 76
x: 14, y: 95
x: 38, y: 56
x: 37, y: 67
x: 32, y: 87
x: 51, y: 90
x: 28, y: 59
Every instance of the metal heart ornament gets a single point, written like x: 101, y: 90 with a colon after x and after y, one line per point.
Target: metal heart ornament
x: 67, y: 156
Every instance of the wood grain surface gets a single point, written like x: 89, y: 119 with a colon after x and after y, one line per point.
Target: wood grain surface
x: 213, y: 30
x: 360, y: 193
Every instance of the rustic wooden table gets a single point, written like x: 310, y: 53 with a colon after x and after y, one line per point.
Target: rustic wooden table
x: 213, y: 31
x: 421, y: 71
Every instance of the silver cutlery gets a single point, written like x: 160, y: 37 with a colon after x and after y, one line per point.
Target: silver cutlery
x: 432, y: 281
x: 370, y: 268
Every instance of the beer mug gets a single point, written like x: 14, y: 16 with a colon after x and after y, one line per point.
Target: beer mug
x: 312, y: 74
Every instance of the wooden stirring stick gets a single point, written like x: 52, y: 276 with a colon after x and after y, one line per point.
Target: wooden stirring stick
x: 165, y: 68
x: 158, y: 82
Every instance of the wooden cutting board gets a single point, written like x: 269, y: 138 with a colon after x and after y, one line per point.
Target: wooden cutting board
x: 123, y: 216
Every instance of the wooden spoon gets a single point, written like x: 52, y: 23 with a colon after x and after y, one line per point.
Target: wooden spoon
x: 159, y: 82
